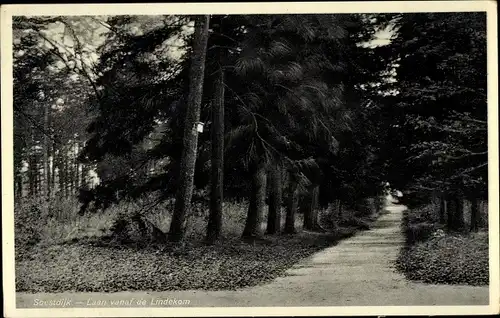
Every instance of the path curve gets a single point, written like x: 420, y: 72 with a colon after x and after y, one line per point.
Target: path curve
x: 358, y: 271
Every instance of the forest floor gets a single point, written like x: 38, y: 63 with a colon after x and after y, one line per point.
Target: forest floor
x: 83, y: 258
x: 358, y: 271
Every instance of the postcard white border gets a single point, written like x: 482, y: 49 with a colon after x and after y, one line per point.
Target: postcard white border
x: 7, y: 11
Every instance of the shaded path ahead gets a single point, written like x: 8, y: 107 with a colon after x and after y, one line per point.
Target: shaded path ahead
x: 356, y: 272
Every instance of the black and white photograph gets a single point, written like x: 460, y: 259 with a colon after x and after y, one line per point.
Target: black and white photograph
x: 250, y: 159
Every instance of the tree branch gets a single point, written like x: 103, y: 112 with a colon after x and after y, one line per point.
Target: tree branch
x: 56, y: 52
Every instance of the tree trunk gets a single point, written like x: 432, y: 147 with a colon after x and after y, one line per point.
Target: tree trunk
x: 49, y: 176
x: 38, y: 177
x: 18, y: 188
x: 74, y: 171
x: 442, y: 209
x: 450, y: 224
x: 46, y: 152
x: 190, y: 139
x: 78, y: 175
x: 459, y: 216
x: 314, y: 207
x: 31, y: 180
x: 71, y: 168
x: 474, y: 215
x: 292, y: 204
x: 66, y: 174
x: 455, y: 213
x: 18, y: 175
x: 338, y: 208
x: 85, y: 179
x: 31, y: 165
x: 60, y: 172
x: 217, y: 195
x: 275, y: 194
x: 311, y: 212
x: 256, y: 203
x: 308, y: 212
x: 53, y: 169
x: 33, y: 174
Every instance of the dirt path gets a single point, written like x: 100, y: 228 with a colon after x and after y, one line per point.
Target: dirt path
x: 356, y: 272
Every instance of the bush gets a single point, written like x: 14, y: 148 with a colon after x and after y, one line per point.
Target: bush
x: 39, y: 220
x: 419, y: 224
x: 419, y: 232
x: 134, y: 228
x: 355, y: 222
x: 414, y: 200
x: 434, y: 256
x: 58, y: 221
x: 367, y: 207
x: 28, y: 222
x: 423, y: 214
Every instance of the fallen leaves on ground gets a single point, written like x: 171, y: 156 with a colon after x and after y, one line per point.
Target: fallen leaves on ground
x: 86, y: 267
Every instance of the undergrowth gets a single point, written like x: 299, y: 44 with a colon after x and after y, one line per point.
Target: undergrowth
x: 84, y: 254
x: 433, y: 255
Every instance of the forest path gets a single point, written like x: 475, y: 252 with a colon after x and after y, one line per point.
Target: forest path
x: 359, y: 271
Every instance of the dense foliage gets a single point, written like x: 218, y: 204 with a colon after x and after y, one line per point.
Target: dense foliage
x: 439, y: 116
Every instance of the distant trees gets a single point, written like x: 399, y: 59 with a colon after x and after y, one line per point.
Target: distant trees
x: 47, y: 101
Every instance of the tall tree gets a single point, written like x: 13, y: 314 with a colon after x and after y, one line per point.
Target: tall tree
x: 47, y: 151
x: 190, y: 143
x: 295, y: 98
x: 217, y: 163
x: 311, y: 211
